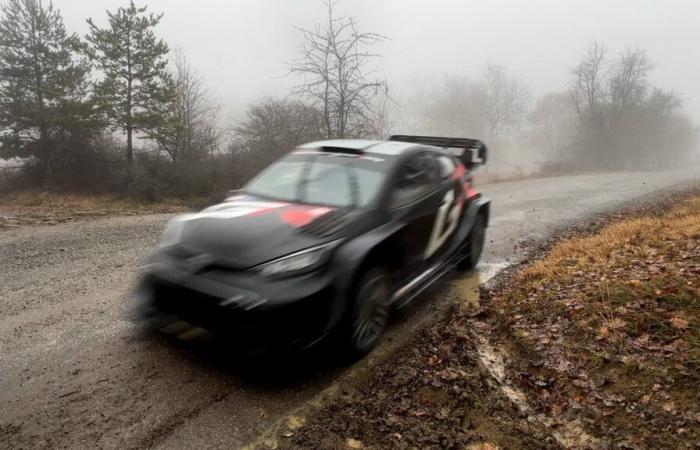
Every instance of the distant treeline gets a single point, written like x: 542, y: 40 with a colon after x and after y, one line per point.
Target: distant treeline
x: 117, y: 111
x: 610, y: 117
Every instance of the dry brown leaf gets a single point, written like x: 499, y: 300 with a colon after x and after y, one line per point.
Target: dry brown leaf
x: 488, y: 446
x: 354, y: 443
x: 616, y: 323
x: 679, y: 323
x: 674, y: 346
x: 642, y: 341
x: 483, y: 446
x: 669, y: 407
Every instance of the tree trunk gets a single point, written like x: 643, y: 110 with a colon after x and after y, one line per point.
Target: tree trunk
x: 129, y: 147
x: 45, y: 155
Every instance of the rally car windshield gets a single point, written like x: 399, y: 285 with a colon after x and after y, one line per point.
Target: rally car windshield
x: 321, y: 179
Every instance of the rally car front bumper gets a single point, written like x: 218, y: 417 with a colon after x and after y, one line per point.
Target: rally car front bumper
x: 252, y: 312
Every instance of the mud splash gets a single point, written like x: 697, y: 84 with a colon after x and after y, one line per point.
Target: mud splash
x: 569, y: 434
x: 466, y: 287
x: 287, y: 425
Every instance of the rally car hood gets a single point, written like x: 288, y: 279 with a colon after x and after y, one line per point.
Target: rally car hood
x: 245, y: 231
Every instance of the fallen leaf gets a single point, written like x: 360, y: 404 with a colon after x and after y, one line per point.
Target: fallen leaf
x: 616, y: 324
x: 294, y: 422
x: 487, y: 446
x: 642, y: 341
x: 679, y: 323
x: 669, y: 407
x: 674, y: 346
x: 645, y: 399
x: 354, y: 443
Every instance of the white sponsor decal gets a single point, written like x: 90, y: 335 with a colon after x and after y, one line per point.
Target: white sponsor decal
x: 437, y: 236
x: 232, y: 210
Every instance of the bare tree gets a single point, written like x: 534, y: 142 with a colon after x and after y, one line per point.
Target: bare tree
x: 191, y: 133
x: 588, y: 83
x: 628, y: 81
x: 502, y: 101
x: 270, y: 129
x: 379, y: 120
x: 488, y: 108
x: 554, y: 121
x: 445, y: 106
x: 623, y: 121
x: 336, y: 77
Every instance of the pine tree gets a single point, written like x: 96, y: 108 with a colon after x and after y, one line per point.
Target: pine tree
x: 137, y: 88
x: 44, y: 104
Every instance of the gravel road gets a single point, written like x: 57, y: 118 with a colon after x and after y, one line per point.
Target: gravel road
x: 76, y: 373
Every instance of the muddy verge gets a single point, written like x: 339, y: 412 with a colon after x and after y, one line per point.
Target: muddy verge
x: 453, y: 385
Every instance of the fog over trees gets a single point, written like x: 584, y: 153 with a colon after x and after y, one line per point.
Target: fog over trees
x: 119, y: 111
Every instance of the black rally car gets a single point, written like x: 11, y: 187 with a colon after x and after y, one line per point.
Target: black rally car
x: 326, y: 241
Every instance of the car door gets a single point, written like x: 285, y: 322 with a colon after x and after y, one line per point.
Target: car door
x: 449, y: 209
x: 416, y: 196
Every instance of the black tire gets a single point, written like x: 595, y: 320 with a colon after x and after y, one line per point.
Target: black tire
x: 368, y: 317
x: 475, y: 244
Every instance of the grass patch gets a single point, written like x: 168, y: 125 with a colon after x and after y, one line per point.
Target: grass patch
x: 43, y: 208
x: 614, y: 320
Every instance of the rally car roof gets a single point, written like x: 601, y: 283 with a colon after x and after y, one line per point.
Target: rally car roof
x: 389, y: 148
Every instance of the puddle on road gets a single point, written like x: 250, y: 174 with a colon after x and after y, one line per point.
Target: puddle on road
x: 466, y: 285
x: 467, y: 289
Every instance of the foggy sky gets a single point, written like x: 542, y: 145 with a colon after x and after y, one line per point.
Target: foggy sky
x: 241, y: 46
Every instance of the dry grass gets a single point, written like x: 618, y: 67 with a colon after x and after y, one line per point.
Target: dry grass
x: 613, y: 320
x: 42, y: 208
x: 640, y: 237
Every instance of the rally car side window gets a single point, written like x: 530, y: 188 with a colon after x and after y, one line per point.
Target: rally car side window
x: 417, y: 177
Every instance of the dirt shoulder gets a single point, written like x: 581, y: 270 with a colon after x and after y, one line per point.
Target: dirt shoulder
x: 606, y: 329
x: 42, y: 208
x: 592, y: 344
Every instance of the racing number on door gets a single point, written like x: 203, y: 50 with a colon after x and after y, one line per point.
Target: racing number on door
x: 448, y: 212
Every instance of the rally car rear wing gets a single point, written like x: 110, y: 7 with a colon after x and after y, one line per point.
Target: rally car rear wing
x: 472, y: 152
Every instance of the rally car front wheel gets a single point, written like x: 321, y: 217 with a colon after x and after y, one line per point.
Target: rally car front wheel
x: 370, y: 311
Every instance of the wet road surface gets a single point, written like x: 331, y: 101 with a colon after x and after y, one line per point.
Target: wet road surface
x: 76, y: 373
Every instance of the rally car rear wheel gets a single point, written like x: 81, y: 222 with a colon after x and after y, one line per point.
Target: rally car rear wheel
x: 475, y: 243
x: 369, y: 316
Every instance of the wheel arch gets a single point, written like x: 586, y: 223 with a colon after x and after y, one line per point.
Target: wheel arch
x: 378, y: 247
x: 480, y: 206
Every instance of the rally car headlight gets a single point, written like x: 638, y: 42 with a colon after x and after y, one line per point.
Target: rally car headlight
x: 172, y: 233
x: 299, y: 262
